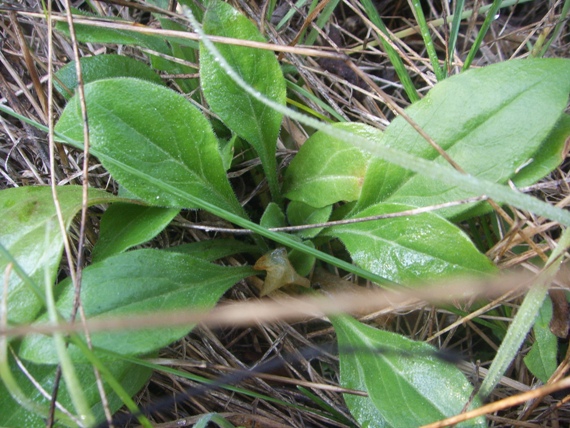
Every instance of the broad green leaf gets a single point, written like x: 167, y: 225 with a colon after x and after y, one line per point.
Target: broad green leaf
x: 242, y: 113
x: 328, y: 170
x: 548, y: 157
x: 131, y: 376
x: 125, y: 225
x: 491, y: 121
x: 215, y: 249
x: 29, y: 231
x: 273, y: 217
x: 404, y: 249
x: 137, y: 127
x: 138, y: 282
x: 541, y: 359
x: 299, y: 213
x: 407, y: 384
x: 102, y: 67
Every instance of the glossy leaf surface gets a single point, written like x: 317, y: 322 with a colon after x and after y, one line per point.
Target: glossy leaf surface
x: 139, y: 282
x: 242, y: 113
x: 408, y: 385
x: 29, y: 231
x: 102, y: 67
x: 148, y: 136
x: 328, y: 170
x: 490, y: 121
x: 405, y: 249
x: 125, y: 225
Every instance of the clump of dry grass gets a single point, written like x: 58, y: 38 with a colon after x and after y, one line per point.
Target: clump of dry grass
x: 214, y: 353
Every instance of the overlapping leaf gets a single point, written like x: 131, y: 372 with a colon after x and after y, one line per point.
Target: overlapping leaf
x: 125, y: 225
x: 241, y: 112
x: 152, y: 140
x: 299, y: 213
x: 138, y: 282
x: 407, y: 384
x: 29, y: 231
x: 328, y: 170
x: 491, y: 121
x: 102, y: 67
x: 405, y: 249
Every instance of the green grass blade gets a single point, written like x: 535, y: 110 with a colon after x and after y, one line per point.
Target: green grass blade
x: 322, y: 20
x: 524, y: 319
x: 393, y: 56
x: 67, y: 368
x: 428, y: 41
x: 482, y: 32
x: 302, y: 91
x: 290, y: 13
x: 454, y: 33
x: 22, y: 274
x: 559, y: 26
x: 466, y: 14
x: 111, y: 380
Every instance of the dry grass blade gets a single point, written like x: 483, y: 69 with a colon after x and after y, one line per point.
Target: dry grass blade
x: 289, y: 308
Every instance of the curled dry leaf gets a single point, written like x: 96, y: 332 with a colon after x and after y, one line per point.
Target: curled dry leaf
x: 280, y: 272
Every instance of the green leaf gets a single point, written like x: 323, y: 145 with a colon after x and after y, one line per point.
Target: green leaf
x: 136, y: 283
x: 328, y: 170
x: 29, y: 231
x: 299, y: 213
x: 405, y: 249
x: 490, y: 121
x: 102, y: 67
x: 139, y: 128
x: 407, y: 385
x: 131, y: 376
x: 541, y: 359
x: 125, y: 225
x: 273, y: 217
x: 548, y: 157
x: 242, y: 113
